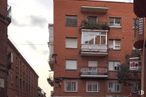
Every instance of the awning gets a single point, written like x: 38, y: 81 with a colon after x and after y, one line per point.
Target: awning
x: 100, y: 10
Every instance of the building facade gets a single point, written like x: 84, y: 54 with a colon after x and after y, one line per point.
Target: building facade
x: 41, y: 93
x: 22, y: 79
x: 140, y: 43
x: 4, y: 22
x: 89, y: 42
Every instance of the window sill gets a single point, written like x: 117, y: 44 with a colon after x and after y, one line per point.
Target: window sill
x: 114, y: 49
x: 70, y: 69
x: 92, y: 91
x: 70, y: 91
x: 117, y: 27
x: 114, y: 92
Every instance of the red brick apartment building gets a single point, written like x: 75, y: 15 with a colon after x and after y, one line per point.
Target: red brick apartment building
x: 22, y: 79
x: 90, y: 41
x: 4, y: 22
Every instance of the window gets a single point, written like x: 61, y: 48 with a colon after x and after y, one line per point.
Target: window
x: 113, y: 65
x: 135, y: 87
x: 71, y: 86
x: 115, y: 44
x: 92, y: 65
x: 92, y: 87
x: 94, y: 38
x: 71, y: 20
x: 92, y: 19
x: 71, y: 65
x: 114, y: 86
x: 115, y: 21
x: 71, y: 43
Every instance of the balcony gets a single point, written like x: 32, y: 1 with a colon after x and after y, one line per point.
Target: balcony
x: 139, y: 33
x: 52, y: 61
x: 93, y: 9
x: 94, y: 73
x: 50, y: 81
x: 52, y: 93
x: 94, y: 50
x: 6, y: 19
x: 94, y: 25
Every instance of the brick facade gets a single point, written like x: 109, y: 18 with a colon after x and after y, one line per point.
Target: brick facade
x: 122, y: 33
x: 22, y: 79
x: 4, y: 22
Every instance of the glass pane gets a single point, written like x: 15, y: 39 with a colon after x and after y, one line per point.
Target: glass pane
x: 88, y: 37
x: 97, y: 40
x: 117, y: 44
x: 71, y: 43
x: 71, y: 64
x: 92, y: 19
x: 103, y: 40
x: 110, y: 66
x: 71, y: 20
x: 111, y: 21
x: 110, y: 44
x: 117, y: 21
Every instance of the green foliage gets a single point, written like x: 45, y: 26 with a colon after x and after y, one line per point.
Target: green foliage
x: 94, y: 25
x: 123, y: 74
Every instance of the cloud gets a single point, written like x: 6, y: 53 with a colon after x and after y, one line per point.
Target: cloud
x: 31, y: 45
x: 45, y: 3
x: 18, y: 23
x: 37, y: 21
x: 32, y: 20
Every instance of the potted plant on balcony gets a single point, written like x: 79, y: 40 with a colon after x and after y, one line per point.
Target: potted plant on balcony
x: 94, y: 25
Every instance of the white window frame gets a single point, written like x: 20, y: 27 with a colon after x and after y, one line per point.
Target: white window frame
x: 114, y: 45
x: 114, y: 65
x: 92, y: 86
x: 85, y: 36
x: 114, y: 23
x: 114, y: 87
x: 70, y: 64
x: 68, y: 43
x: 73, y: 87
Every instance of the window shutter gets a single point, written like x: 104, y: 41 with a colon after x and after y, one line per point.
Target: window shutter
x: 71, y: 65
x: 71, y: 43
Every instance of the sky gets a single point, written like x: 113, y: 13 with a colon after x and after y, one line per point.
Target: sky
x: 28, y: 31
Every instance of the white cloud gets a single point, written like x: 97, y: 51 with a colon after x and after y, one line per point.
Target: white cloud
x: 29, y: 33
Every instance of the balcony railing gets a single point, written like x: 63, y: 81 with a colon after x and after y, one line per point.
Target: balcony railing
x: 93, y: 25
x: 50, y: 81
x: 94, y: 50
x: 94, y: 73
x: 139, y: 33
x: 52, y: 61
